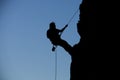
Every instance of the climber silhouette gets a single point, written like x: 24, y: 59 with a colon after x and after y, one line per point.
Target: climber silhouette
x: 53, y: 34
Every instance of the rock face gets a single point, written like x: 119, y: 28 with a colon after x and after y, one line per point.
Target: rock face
x: 83, y: 66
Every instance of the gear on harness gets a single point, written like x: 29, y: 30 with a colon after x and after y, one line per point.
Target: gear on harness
x: 53, y: 49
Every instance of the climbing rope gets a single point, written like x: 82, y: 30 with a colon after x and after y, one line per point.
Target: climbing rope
x: 73, y: 16
x: 56, y: 64
x: 71, y: 19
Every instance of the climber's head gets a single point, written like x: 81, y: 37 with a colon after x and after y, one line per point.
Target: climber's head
x: 52, y: 25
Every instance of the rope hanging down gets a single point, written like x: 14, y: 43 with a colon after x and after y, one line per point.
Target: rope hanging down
x: 55, y: 64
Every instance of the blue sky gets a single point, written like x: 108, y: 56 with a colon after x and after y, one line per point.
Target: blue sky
x: 25, y: 51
